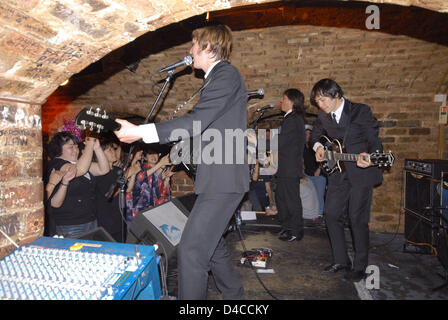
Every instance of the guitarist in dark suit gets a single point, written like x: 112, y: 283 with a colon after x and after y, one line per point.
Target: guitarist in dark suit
x: 350, y: 190
x: 220, y: 184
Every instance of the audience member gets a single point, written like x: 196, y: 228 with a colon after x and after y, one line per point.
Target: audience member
x: 150, y: 186
x: 266, y: 173
x: 313, y: 170
x: 108, y: 207
x: 310, y: 201
x: 72, y: 203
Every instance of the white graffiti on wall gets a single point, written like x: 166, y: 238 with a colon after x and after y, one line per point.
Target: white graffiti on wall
x: 20, y: 119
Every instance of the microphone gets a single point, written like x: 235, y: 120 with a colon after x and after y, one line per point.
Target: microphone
x: 269, y: 106
x: 258, y: 92
x: 184, y: 62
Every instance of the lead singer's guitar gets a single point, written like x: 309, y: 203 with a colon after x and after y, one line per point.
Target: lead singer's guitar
x: 98, y: 120
x: 335, y: 156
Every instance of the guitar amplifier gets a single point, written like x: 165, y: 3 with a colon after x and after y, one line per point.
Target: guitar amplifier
x: 422, y: 193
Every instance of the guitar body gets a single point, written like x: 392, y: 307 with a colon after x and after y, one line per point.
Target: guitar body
x: 183, y: 153
x: 332, y: 165
x: 335, y: 156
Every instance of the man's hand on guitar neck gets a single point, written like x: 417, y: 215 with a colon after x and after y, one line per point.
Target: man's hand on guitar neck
x: 363, y: 160
x: 128, y: 132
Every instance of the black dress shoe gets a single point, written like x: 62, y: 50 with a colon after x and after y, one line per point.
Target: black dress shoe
x: 335, y: 267
x: 281, y: 232
x: 289, y: 237
x: 355, y: 275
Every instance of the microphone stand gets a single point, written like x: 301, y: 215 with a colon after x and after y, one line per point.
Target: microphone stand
x: 258, y: 119
x: 121, y: 180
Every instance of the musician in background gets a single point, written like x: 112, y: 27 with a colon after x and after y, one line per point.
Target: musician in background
x: 291, y: 142
x: 356, y: 126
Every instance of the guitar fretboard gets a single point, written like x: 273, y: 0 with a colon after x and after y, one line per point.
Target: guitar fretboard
x: 336, y: 156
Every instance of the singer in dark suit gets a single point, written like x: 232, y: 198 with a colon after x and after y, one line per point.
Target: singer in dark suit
x: 291, y: 142
x: 350, y: 191
x: 221, y: 183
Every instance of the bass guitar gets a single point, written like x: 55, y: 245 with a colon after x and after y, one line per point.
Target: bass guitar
x: 99, y: 120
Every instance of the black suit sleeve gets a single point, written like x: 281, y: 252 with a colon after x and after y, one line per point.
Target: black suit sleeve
x: 371, y: 130
x: 318, y: 129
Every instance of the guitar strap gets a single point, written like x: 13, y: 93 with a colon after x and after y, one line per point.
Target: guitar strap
x: 181, y: 106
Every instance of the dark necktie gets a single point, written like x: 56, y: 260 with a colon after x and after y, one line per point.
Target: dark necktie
x: 333, y: 116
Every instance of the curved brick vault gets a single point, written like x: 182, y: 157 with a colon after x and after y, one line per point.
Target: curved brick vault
x: 44, y: 42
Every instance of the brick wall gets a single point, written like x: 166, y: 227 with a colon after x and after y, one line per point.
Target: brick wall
x: 397, y: 76
x: 21, y: 193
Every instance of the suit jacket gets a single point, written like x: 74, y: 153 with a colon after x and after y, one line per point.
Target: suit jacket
x: 291, y: 142
x: 221, y: 107
x: 362, y: 136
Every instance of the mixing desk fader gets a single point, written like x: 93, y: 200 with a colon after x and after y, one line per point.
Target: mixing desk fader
x: 74, y: 269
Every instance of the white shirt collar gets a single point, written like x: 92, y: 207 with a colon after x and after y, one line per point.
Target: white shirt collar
x: 211, y: 67
x: 338, y: 112
x: 289, y: 111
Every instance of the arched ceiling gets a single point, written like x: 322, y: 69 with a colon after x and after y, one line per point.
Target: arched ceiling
x: 44, y: 42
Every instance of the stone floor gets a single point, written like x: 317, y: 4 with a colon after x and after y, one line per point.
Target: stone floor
x: 394, y: 275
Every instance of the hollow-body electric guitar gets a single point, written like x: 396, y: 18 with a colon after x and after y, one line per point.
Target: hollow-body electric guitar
x: 335, y: 156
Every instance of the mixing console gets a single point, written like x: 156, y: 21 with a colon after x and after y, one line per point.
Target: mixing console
x: 73, y: 269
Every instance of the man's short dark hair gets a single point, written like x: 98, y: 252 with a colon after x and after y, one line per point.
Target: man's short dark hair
x: 326, y: 88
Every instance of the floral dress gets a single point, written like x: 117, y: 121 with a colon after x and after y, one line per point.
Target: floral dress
x: 148, y: 192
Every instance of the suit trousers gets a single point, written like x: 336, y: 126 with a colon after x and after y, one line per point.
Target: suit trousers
x: 289, y: 204
x: 202, y: 248
x: 342, y: 199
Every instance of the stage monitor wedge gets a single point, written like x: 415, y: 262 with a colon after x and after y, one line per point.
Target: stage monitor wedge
x: 162, y: 225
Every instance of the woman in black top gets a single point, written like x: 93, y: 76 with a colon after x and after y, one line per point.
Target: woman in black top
x: 72, y: 205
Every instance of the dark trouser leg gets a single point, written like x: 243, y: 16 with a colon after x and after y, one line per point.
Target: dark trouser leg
x: 280, y: 202
x: 202, y: 248
x: 289, y: 205
x: 335, y: 206
x: 226, y: 278
x: 357, y: 200
x: 359, y: 214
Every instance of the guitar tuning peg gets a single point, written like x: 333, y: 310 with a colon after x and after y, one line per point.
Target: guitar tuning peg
x: 97, y: 114
x: 104, y: 116
x: 89, y: 112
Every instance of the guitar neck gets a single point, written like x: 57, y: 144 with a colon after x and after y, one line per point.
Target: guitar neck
x: 336, y: 156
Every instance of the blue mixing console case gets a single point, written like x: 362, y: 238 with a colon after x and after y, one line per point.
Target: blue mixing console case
x: 74, y: 269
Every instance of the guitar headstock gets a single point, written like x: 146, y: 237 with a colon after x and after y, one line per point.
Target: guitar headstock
x: 382, y: 159
x: 96, y: 121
